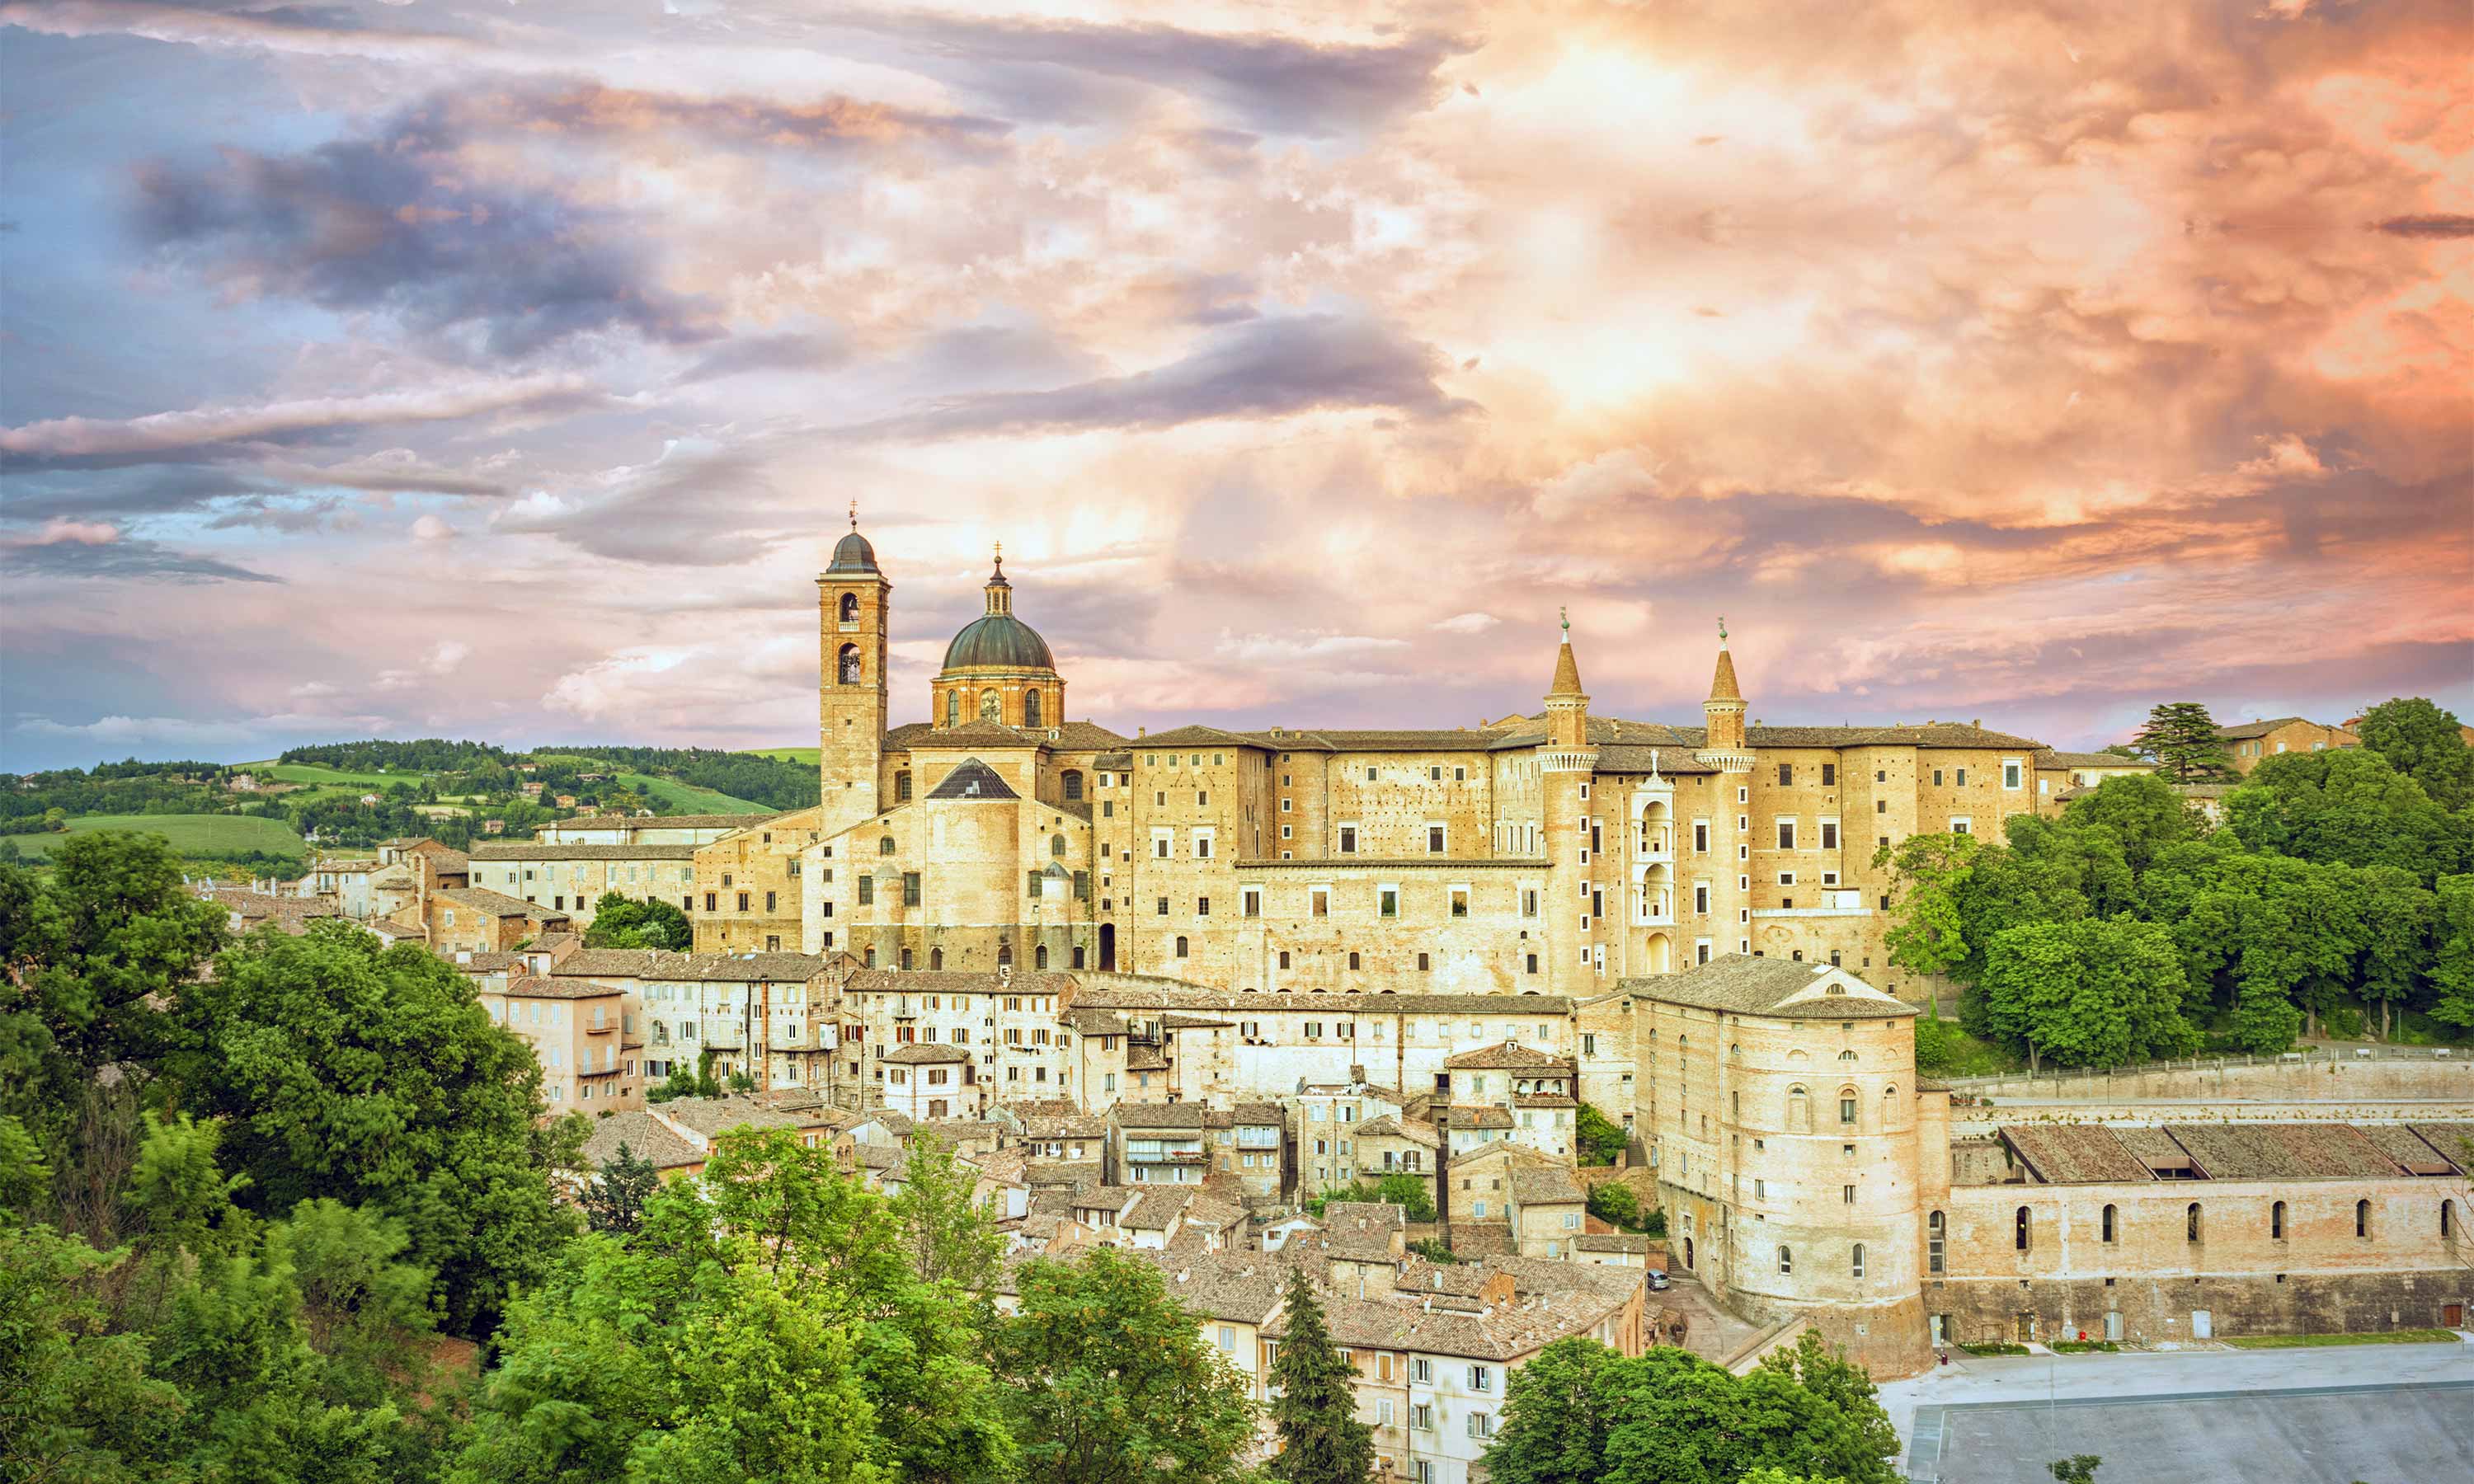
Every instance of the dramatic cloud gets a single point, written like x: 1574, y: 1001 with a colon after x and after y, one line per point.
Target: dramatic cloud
x: 2032, y: 362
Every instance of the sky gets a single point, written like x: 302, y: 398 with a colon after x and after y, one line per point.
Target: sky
x: 509, y: 371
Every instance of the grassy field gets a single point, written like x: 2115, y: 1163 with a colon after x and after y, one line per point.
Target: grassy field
x: 189, y: 833
x: 805, y: 755
x: 314, y: 773
x: 2291, y: 1341
x: 687, y: 800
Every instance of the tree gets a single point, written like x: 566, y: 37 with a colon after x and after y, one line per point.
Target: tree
x: 2452, y: 969
x: 2077, y: 1469
x: 371, y: 1075
x: 1613, y: 1201
x: 1600, y: 1140
x: 90, y: 955
x: 624, y: 922
x: 948, y: 1235
x: 1109, y: 1381
x: 1929, y: 876
x: 2348, y: 808
x: 615, y: 1202
x: 2182, y: 737
x: 2423, y: 742
x: 2095, y: 993
x: 1410, y: 1192
x: 1321, y: 1440
x: 1580, y: 1413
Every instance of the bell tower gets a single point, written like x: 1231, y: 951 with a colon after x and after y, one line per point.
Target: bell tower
x: 1576, y: 894
x: 853, y: 603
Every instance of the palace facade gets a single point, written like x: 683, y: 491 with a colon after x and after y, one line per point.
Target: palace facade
x: 1553, y: 853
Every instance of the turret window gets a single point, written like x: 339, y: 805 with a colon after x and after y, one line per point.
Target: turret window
x: 988, y: 705
x: 850, y: 608
x: 848, y: 666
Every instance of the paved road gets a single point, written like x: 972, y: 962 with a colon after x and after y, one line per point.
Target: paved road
x: 2389, y: 1414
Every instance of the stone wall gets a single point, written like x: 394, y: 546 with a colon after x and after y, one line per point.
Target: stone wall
x: 2157, y: 1309
x: 2316, y: 1078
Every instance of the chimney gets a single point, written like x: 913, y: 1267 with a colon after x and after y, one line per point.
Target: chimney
x: 1142, y: 731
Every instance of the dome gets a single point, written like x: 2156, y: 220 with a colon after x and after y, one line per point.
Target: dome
x: 1001, y: 640
x: 854, y: 554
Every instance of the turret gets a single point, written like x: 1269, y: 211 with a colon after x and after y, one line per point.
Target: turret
x: 853, y: 602
x: 1724, y: 712
x: 1574, y: 841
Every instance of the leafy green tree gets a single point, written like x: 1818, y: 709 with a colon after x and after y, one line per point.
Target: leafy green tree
x: 2398, y: 917
x: 1434, y: 1250
x: 1316, y: 1411
x: 615, y: 1202
x: 1929, y: 876
x: 2094, y: 992
x: 1599, y: 1138
x: 1580, y: 1413
x: 2077, y: 1469
x: 1410, y: 1192
x: 2423, y: 742
x: 90, y: 955
x: 371, y: 1075
x: 77, y: 1400
x: 2182, y: 737
x: 948, y: 1235
x: 1613, y: 1201
x: 2452, y: 969
x: 2348, y: 808
x: 624, y: 922
x: 1110, y: 1382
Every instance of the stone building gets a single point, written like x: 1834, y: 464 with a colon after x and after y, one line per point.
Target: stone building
x: 582, y: 1034
x: 1809, y: 1173
x: 1554, y: 854
x: 744, y: 895
x: 571, y: 877
x: 2249, y: 744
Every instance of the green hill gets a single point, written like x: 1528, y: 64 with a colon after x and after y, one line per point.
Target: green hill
x: 190, y: 835
x: 688, y: 799
x: 805, y: 755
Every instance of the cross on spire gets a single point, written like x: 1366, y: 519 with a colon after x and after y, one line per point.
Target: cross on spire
x: 1001, y: 559
x: 854, y: 514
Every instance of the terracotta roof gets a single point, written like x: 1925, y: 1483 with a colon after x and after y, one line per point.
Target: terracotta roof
x: 691, y: 967
x: 660, y: 821
x: 1746, y: 984
x: 1198, y: 736
x: 2049, y: 758
x: 1256, y: 1114
x: 1236, y: 1285
x: 496, y: 903
x: 522, y: 850
x: 1158, y: 1208
x: 1047, y: 1126
x: 2451, y: 1141
x: 2066, y: 1154
x: 2283, y: 1151
x: 535, y: 987
x: 1544, y: 1100
x: 1142, y: 1056
x: 2242, y: 731
x: 1543, y: 1185
x: 1482, y: 1115
x: 1396, y: 1125
x: 919, y: 1053
x: 2414, y: 1152
x: 711, y: 1116
x: 1722, y: 679
x: 291, y: 913
x: 955, y: 981
x: 1157, y: 1115
x: 1509, y: 1055
x: 646, y: 1136
x: 1614, y: 1241
x: 1121, y: 992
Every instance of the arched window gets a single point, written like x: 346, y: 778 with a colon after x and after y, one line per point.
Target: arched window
x: 885, y: 845
x: 987, y: 706
x: 1040, y: 956
x: 1073, y: 785
x: 937, y: 958
x: 1847, y: 1106
x: 2363, y: 1218
x: 2276, y: 1222
x: 1353, y: 963
x: 848, y: 665
x: 850, y: 608
x: 1799, y: 1112
x: 1847, y: 1056
x: 1787, y: 1259
x: 1031, y: 708
x: 1056, y: 845
x: 1936, y: 1233
x: 2109, y: 1228
x: 902, y: 786
x: 1181, y: 948
x: 1005, y: 955
x: 1855, y: 1265
x: 952, y: 708
x: 2191, y: 1223
x: 2021, y: 1230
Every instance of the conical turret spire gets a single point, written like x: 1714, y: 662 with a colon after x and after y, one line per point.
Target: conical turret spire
x: 1722, y: 681
x: 1567, y: 672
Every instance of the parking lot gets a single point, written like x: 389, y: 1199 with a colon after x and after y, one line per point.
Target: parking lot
x: 2385, y: 1414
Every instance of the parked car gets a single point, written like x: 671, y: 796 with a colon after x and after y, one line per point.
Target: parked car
x: 1657, y: 1280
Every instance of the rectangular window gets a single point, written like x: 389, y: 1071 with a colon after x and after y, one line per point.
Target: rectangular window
x: 1319, y: 900
x: 2012, y: 776
x: 1830, y: 834
x: 1251, y: 901
x: 1787, y: 775
x: 1460, y: 898
x: 1786, y: 834
x: 1961, y: 824
x: 1387, y: 901
x: 1701, y: 898
x: 1700, y: 837
x: 910, y: 887
x: 1828, y: 774
x: 866, y: 892
x: 1347, y: 839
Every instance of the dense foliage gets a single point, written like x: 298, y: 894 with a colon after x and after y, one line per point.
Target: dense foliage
x: 2127, y: 929
x: 624, y: 922
x: 377, y: 755
x: 1581, y: 1413
x: 767, y: 781
x: 1600, y: 1140
x: 1315, y: 1401
x: 2182, y: 738
x: 1411, y: 1192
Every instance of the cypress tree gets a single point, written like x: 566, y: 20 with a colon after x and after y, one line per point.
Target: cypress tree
x: 1321, y: 1440
x: 2182, y: 737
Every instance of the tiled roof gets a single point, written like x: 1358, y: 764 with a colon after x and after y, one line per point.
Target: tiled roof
x: 661, y: 821
x: 1070, y: 736
x: 691, y: 967
x: 1624, y: 758
x: 496, y: 903
x: 1747, y: 983
x: 1047, y: 1126
x: 1235, y: 1285
x: 1544, y: 1100
x: 646, y: 1136
x: 2049, y: 758
x: 291, y: 913
x: 1157, y: 1115
x: 1256, y: 1114
x: 1543, y: 1185
x: 1614, y: 1241
x: 1198, y: 736
x: 711, y: 1116
x: 918, y: 1053
x: 955, y: 981
x: 1158, y: 1208
x: 1124, y: 992
x: 1509, y: 1055
x: 2451, y: 1141
x: 1605, y: 731
x: 1142, y: 1056
x: 2066, y: 1154
x: 2283, y: 1151
x: 1482, y: 1115
x: 2242, y: 731
x: 1397, y: 1126
x: 972, y: 778
x: 524, y: 849
x: 535, y: 987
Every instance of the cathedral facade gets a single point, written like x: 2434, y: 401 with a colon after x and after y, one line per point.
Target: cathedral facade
x: 1557, y: 853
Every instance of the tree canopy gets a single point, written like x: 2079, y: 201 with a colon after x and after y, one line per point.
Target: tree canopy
x: 2425, y: 743
x: 2182, y: 737
x: 624, y: 922
x: 1321, y: 1441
